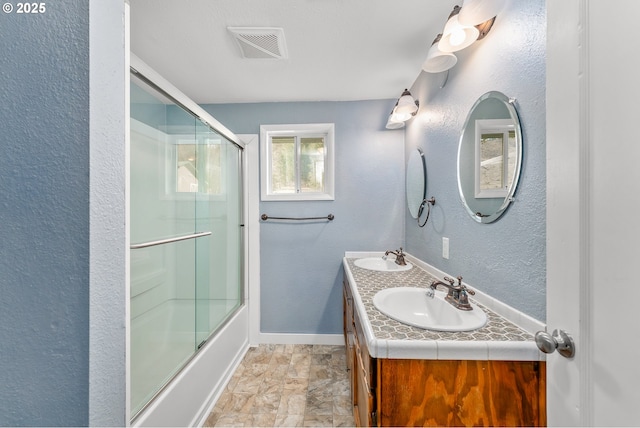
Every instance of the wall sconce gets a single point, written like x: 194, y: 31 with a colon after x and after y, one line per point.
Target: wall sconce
x: 456, y: 36
x: 465, y: 25
x: 479, y: 12
x: 437, y: 60
x: 406, y: 107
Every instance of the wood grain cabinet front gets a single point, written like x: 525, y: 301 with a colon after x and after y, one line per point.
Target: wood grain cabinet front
x: 461, y: 393
x: 405, y: 392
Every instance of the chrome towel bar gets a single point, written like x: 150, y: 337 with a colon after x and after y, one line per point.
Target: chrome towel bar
x: 265, y: 217
x: 168, y: 240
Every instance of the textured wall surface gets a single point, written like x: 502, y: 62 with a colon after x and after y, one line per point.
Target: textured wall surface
x: 108, y: 255
x: 505, y: 259
x: 301, y: 273
x: 44, y: 216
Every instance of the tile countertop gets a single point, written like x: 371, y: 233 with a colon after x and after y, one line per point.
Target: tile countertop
x: 499, y: 339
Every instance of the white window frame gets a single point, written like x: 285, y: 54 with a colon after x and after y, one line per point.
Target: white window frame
x: 493, y: 126
x: 303, y: 129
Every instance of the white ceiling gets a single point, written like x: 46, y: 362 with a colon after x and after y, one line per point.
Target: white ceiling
x: 339, y: 50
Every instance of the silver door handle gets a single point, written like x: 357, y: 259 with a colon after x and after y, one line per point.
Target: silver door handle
x: 559, y: 340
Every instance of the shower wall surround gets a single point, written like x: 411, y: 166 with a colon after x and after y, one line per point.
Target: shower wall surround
x: 505, y: 259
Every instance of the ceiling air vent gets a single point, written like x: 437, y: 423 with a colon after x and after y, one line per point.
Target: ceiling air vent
x: 260, y: 42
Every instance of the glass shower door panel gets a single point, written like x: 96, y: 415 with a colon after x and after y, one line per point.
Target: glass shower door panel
x: 162, y: 332
x: 185, y: 180
x: 158, y: 211
x: 218, y: 209
x: 162, y: 273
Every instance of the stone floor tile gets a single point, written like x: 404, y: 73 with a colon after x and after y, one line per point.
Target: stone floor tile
x: 292, y: 404
x: 318, y: 421
x: 287, y: 385
x: 289, y: 420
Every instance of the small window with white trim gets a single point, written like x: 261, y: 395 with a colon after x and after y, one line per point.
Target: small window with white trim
x: 296, y: 162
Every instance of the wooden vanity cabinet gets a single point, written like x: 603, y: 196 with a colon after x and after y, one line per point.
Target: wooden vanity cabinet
x: 461, y: 393
x: 349, y: 336
x: 361, y: 367
x: 404, y: 392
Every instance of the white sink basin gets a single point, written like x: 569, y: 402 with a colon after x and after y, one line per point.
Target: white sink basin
x: 412, y: 306
x: 382, y: 265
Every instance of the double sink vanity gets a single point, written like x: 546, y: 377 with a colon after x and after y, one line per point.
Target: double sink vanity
x: 416, y: 360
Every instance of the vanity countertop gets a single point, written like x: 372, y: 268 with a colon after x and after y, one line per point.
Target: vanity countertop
x: 499, y: 339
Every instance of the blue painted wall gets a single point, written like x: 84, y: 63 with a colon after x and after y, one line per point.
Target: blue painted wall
x: 44, y: 216
x: 506, y: 259
x: 301, y: 276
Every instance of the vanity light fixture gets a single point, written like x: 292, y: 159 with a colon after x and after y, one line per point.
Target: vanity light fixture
x: 394, y: 122
x: 480, y: 13
x: 437, y: 60
x: 465, y: 25
x: 456, y: 36
x: 406, y: 107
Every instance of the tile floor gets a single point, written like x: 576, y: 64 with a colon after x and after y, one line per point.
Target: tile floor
x: 287, y: 385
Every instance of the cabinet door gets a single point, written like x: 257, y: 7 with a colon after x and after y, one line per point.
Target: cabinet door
x: 365, y: 382
x: 363, y: 410
x: 461, y: 393
x: 349, y: 337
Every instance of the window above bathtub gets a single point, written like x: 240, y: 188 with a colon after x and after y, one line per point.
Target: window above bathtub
x: 297, y: 162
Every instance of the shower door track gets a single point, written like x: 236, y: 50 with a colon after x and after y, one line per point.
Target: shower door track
x: 168, y: 240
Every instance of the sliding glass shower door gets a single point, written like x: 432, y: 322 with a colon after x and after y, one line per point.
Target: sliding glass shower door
x: 186, y: 237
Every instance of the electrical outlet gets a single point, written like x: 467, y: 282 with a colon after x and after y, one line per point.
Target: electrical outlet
x: 445, y: 247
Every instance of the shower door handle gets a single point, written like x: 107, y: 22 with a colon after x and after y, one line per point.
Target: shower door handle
x: 168, y: 240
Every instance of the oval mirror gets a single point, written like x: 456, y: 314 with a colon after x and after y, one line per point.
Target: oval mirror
x: 416, y: 184
x: 489, y: 157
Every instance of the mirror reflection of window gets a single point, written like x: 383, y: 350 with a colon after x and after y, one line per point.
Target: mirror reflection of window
x: 512, y: 150
x: 491, y: 161
x: 496, y: 153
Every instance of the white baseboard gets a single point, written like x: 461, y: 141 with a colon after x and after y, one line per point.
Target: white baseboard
x: 299, y: 339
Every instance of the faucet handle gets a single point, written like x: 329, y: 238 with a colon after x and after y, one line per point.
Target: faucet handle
x: 464, y: 287
x: 450, y: 280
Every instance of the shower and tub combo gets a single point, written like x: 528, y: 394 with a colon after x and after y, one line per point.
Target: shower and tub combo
x: 187, y: 305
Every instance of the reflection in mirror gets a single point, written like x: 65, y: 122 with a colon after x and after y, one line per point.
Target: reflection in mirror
x: 495, y: 157
x: 416, y: 183
x: 489, y: 157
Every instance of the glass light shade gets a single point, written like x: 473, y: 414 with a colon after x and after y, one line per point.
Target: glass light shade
x: 475, y: 12
x: 394, y: 123
x: 438, y: 61
x: 397, y: 116
x: 456, y: 37
x: 406, y: 105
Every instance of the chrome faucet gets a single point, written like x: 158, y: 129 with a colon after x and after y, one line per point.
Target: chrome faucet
x: 399, y: 256
x: 457, y: 294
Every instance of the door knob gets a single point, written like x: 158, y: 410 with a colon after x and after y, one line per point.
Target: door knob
x: 559, y: 340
